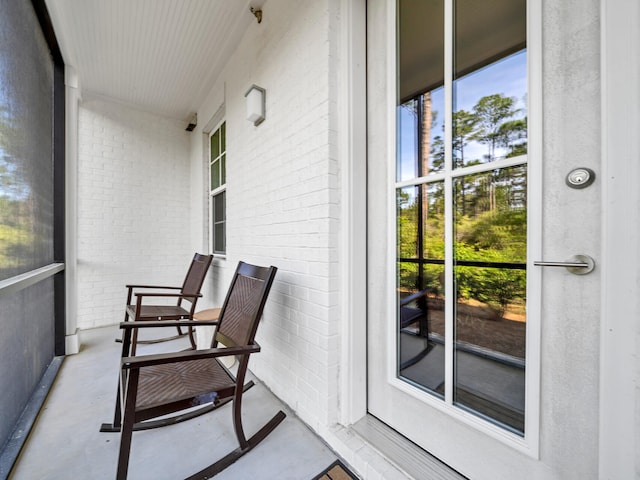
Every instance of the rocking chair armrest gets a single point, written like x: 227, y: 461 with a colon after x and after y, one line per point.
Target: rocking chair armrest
x: 414, y: 296
x: 185, y: 356
x: 168, y: 323
x: 169, y: 295
x: 164, y: 287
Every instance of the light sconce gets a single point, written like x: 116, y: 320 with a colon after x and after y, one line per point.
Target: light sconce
x: 193, y: 122
x: 255, y: 104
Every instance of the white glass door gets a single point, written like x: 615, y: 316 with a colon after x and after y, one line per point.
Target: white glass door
x: 454, y: 321
x: 475, y: 119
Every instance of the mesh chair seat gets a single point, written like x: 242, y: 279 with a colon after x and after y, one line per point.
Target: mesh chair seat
x: 172, y: 382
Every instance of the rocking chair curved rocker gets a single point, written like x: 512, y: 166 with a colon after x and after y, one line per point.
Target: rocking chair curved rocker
x: 162, y: 385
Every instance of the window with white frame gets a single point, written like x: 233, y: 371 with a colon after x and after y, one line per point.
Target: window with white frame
x: 217, y: 191
x: 461, y: 199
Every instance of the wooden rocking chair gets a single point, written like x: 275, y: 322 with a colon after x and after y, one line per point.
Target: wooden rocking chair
x: 161, y: 385
x: 189, y: 292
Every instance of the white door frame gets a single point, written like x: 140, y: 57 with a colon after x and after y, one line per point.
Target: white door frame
x: 619, y: 371
x: 352, y: 152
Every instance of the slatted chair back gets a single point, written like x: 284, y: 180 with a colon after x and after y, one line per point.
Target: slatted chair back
x: 196, y: 274
x: 244, y: 304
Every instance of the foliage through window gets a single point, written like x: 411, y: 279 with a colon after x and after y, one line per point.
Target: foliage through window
x: 461, y: 200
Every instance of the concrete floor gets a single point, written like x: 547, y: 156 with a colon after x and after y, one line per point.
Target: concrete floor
x: 66, y: 443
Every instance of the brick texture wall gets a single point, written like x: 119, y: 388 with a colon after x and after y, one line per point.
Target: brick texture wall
x: 283, y: 197
x: 133, y: 206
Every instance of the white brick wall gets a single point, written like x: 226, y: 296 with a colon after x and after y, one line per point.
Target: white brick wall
x: 133, y: 206
x: 282, y: 196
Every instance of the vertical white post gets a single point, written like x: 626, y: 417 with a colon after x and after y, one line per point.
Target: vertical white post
x: 620, y: 331
x: 72, y: 97
x: 352, y: 148
x: 449, y: 287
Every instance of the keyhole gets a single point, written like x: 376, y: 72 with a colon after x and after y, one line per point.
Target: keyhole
x: 580, y: 178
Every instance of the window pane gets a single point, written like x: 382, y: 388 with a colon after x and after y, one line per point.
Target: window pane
x: 223, y: 169
x: 215, y: 145
x: 223, y: 138
x: 490, y: 279
x: 421, y: 96
x: 490, y: 86
x: 218, y: 238
x: 215, y: 174
x: 219, y: 222
x: 218, y: 208
x: 420, y: 47
x: 421, y: 285
x: 407, y: 154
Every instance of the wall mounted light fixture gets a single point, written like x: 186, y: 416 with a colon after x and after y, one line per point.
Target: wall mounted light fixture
x: 193, y: 122
x: 255, y: 104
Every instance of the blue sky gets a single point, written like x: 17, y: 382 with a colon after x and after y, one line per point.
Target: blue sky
x: 507, y: 76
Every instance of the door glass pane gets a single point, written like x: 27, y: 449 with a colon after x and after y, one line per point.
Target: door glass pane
x: 485, y: 258
x: 490, y: 81
x: 421, y: 96
x: 407, y: 121
x: 421, y: 285
x: 490, y: 278
x: 420, y: 135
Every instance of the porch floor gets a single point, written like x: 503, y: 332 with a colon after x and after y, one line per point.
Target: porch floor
x: 66, y: 443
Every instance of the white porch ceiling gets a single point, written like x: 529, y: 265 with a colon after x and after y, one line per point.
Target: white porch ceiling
x: 159, y: 55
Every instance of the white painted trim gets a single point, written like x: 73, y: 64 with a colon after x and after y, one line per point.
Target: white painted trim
x: 390, y: 273
x: 461, y: 172
x: 494, y: 431
x: 72, y: 101
x: 535, y: 230
x: 72, y: 343
x: 352, y: 155
x: 24, y: 280
x: 448, y: 201
x: 620, y: 86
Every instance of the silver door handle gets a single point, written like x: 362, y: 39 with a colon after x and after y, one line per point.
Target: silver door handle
x: 578, y: 264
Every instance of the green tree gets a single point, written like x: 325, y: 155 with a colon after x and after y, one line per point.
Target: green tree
x: 491, y: 112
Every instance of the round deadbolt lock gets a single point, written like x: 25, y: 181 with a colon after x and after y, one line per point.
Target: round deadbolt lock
x: 580, y: 177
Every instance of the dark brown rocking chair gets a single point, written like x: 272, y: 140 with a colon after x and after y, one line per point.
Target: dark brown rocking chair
x: 414, y: 310
x: 188, y: 292
x: 153, y: 386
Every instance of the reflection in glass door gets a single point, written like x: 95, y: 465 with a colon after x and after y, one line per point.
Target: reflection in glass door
x: 461, y: 197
